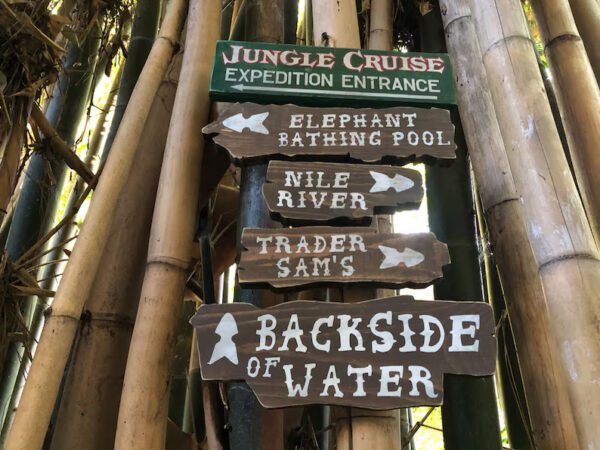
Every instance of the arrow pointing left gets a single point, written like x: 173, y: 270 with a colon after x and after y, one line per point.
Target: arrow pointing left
x: 254, y: 123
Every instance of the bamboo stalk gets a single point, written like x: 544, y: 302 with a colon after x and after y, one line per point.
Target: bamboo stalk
x: 43, y: 182
x: 143, y: 32
x: 514, y: 247
x: 587, y: 17
x: 558, y: 229
x: 308, y: 23
x: 87, y: 417
x: 357, y: 428
x: 41, y: 389
x: 578, y: 98
x: 143, y: 409
x: 335, y: 23
x: 470, y: 412
x: 382, y: 27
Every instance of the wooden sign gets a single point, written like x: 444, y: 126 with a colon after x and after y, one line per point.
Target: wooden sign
x: 308, y: 255
x: 275, y: 73
x: 248, y: 130
x: 325, y: 191
x: 378, y: 354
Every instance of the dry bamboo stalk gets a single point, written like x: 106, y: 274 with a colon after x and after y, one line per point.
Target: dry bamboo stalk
x: 12, y: 156
x: 41, y: 388
x: 587, y: 17
x: 551, y: 417
x: 558, y: 230
x: 335, y: 23
x: 60, y: 147
x: 143, y: 412
x: 578, y: 98
x: 380, y: 34
x: 357, y: 428
x: 88, y: 411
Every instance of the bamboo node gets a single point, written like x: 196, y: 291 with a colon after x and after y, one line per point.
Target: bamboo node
x: 566, y: 257
x: 504, y: 40
x: 567, y: 37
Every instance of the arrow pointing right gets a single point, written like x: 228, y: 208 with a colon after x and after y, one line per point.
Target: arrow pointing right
x: 383, y: 182
x: 393, y: 257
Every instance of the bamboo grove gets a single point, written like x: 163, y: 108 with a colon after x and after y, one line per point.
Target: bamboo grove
x: 118, y: 219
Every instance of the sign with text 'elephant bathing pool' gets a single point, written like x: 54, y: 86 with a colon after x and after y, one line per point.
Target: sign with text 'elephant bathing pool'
x: 378, y: 354
x: 275, y: 73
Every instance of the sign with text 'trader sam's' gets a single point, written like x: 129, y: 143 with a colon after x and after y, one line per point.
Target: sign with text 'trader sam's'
x: 308, y: 255
x: 249, y: 130
x: 378, y: 354
x: 275, y: 73
x: 325, y: 191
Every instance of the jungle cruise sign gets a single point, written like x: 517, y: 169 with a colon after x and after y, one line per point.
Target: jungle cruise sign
x: 274, y: 73
x: 378, y: 354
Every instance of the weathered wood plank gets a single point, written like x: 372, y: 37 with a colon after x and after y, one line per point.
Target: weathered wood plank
x: 325, y: 191
x: 314, y: 352
x: 309, y: 255
x: 248, y: 130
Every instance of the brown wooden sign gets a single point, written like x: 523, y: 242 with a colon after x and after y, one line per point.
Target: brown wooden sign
x: 325, y: 191
x: 308, y: 255
x: 248, y: 130
x: 378, y: 354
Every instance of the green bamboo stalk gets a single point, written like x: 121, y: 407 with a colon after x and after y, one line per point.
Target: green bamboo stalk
x: 143, y: 33
x: 469, y: 414
x: 40, y: 194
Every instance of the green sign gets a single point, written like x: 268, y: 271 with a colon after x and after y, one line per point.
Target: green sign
x: 273, y: 73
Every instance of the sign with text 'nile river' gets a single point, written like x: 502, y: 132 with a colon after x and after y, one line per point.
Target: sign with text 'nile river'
x: 249, y: 130
x: 309, y: 255
x: 275, y: 73
x: 326, y: 191
x: 378, y: 354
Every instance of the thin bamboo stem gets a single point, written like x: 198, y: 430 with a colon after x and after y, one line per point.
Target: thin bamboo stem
x: 142, y: 417
x: 43, y: 382
x: 60, y: 147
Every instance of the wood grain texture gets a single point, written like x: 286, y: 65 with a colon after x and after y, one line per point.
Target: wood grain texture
x: 248, y: 130
x: 312, y: 255
x: 231, y: 348
x: 325, y: 191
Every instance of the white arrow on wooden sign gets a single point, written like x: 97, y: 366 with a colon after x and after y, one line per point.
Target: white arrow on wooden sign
x: 383, y: 182
x: 254, y: 123
x: 393, y: 257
